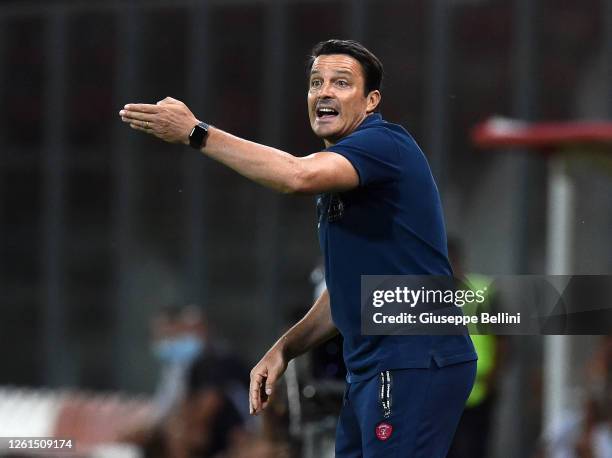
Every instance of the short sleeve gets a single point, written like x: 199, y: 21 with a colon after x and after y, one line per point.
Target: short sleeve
x: 374, y: 154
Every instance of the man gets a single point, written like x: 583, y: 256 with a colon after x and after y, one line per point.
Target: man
x: 379, y: 213
x: 473, y: 435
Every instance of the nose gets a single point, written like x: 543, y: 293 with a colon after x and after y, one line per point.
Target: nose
x: 326, y: 90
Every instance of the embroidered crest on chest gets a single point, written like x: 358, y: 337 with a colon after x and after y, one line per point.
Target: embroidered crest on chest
x: 335, y: 209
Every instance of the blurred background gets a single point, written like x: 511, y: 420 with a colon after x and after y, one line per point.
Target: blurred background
x: 104, y: 231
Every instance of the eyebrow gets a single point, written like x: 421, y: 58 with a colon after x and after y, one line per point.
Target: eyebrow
x: 337, y: 72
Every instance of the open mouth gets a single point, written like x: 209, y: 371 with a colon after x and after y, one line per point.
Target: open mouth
x: 326, y: 113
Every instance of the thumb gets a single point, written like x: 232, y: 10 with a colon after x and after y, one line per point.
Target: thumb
x: 271, y: 381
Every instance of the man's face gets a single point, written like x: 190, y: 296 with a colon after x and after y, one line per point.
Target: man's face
x: 336, y: 97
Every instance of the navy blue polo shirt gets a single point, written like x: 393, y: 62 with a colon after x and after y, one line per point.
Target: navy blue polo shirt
x: 391, y: 224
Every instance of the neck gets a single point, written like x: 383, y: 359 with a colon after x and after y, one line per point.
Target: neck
x: 330, y: 142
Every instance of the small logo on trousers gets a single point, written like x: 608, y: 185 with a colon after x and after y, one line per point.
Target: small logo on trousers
x: 383, y: 431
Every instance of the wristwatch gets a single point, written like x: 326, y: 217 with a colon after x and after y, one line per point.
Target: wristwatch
x: 197, y: 137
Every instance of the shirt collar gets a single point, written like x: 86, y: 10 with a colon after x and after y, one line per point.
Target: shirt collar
x: 370, y: 120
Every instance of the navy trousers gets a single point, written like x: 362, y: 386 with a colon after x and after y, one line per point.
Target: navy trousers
x: 407, y: 413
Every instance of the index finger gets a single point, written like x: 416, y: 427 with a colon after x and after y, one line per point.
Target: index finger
x: 142, y: 107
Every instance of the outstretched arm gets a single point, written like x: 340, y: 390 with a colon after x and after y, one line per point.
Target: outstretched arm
x: 171, y: 121
x: 315, y: 328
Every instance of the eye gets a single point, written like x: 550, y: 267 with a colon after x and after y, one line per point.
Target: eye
x: 342, y: 83
x: 315, y: 83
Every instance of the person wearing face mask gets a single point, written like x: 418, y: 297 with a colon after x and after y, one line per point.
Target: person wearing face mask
x: 202, y: 396
x: 179, y: 335
x: 179, y: 338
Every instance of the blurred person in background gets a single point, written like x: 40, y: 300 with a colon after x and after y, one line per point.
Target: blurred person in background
x: 473, y: 435
x: 212, y: 418
x: 179, y: 337
x: 326, y: 359
x: 595, y: 439
x: 202, y: 401
x: 587, y: 433
x: 379, y: 212
x: 201, y: 396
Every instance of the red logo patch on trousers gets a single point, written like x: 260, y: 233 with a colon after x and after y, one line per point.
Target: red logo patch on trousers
x: 383, y: 431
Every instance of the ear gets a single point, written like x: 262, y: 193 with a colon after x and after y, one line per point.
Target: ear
x: 373, y: 100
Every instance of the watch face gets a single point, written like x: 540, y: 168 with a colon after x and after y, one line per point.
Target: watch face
x: 196, y: 138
